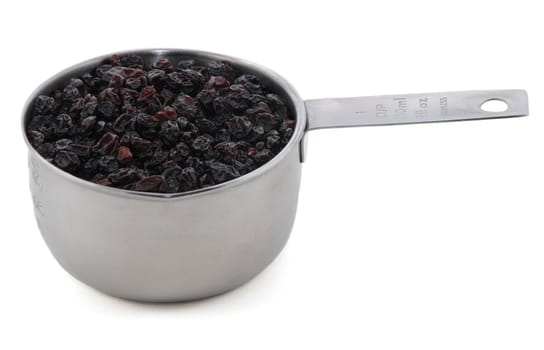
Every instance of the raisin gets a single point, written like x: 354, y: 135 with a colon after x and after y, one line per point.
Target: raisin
x: 237, y: 97
x: 156, y: 76
x: 202, y: 143
x: 62, y: 144
x: 206, y: 98
x: 266, y: 120
x: 250, y: 82
x: 216, y: 68
x: 182, y: 122
x: 107, y: 109
x: 136, y: 82
x: 186, y: 80
x: 70, y: 93
x: 122, y: 122
x: 180, y: 152
x: 87, y: 125
x: 47, y: 150
x: 116, y: 81
x: 164, y: 64
x: 172, y: 172
x: 102, y: 69
x: 170, y: 186
x: 109, y: 95
x: 263, y: 156
x: 60, y: 126
x: 107, y: 144
x: 90, y: 104
x: 147, y: 94
x: 148, y: 184
x: 124, y: 176
x: 158, y: 157
x: 186, y: 107
x: 102, y: 127
x: 43, y: 104
x: 80, y: 149
x: 132, y: 61
x: 167, y: 113
x: 67, y: 160
x: 124, y: 155
x: 100, y: 179
x: 36, y: 138
x: 169, y: 131
x: 185, y: 63
x: 276, y: 104
x: 205, y: 125
x: 188, y: 177
x: 107, y: 164
x: 88, y: 169
x: 273, y: 139
x: 222, y: 172
x: 238, y: 126
x: 217, y: 82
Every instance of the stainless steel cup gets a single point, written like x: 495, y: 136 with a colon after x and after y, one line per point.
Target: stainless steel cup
x: 158, y: 247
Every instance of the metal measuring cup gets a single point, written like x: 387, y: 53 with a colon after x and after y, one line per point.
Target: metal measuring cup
x: 158, y: 247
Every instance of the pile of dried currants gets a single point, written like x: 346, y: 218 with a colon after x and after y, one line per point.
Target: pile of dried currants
x: 169, y: 127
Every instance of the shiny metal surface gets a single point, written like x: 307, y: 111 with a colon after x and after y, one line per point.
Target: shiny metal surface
x: 176, y: 247
x: 166, y: 249
x: 413, y: 108
x: 410, y: 109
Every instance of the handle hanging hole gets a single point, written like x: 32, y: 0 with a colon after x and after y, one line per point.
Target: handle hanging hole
x: 494, y: 105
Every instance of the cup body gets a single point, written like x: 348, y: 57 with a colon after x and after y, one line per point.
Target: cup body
x: 163, y: 247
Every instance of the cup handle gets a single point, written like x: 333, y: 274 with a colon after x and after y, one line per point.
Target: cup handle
x: 410, y: 109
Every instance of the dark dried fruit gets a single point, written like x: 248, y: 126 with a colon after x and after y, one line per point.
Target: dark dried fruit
x: 167, y: 113
x: 87, y: 125
x: 186, y: 80
x: 36, y: 138
x: 147, y: 94
x: 122, y: 122
x: 222, y: 172
x: 220, y: 69
x: 172, y: 172
x: 81, y: 150
x: 90, y: 103
x: 124, y: 176
x: 107, y: 144
x: 47, y: 150
x: 169, y: 186
x: 237, y: 97
x: 169, y: 127
x: 217, y: 82
x: 67, y: 160
x: 58, y: 126
x: 239, y: 127
x: 148, y: 184
x: 188, y: 177
x: 107, y: 164
x: 263, y: 156
x: 169, y: 132
x: 124, y: 155
x: 202, y: 143
x: 43, y: 104
x: 132, y: 61
x: 164, y: 64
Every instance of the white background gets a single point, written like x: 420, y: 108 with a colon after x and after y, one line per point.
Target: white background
x: 407, y: 237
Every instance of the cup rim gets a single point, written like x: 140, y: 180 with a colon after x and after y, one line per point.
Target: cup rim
x: 70, y: 72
